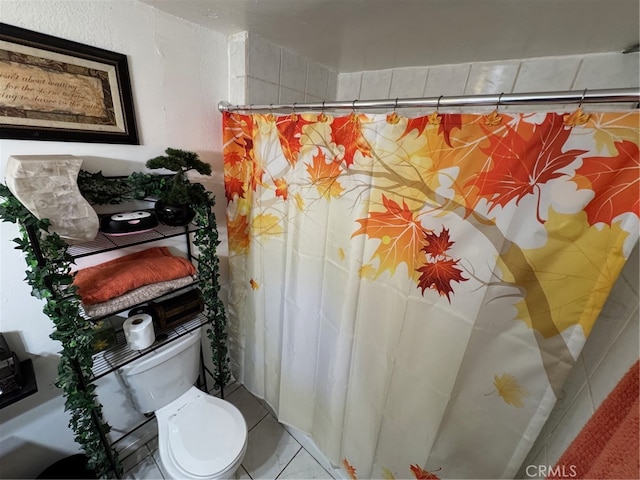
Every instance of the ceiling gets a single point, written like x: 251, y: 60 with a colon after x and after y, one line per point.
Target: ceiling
x: 358, y: 35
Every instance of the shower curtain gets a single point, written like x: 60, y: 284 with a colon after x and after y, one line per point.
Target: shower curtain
x: 412, y: 292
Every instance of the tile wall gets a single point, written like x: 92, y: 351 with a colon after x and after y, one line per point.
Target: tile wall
x: 265, y: 73
x: 576, y: 72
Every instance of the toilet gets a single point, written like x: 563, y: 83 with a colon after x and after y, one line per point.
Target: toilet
x: 199, y: 435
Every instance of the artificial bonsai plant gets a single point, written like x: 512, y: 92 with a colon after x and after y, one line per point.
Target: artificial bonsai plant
x: 174, y: 204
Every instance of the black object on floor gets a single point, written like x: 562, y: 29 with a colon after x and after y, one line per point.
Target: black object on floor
x: 72, y: 467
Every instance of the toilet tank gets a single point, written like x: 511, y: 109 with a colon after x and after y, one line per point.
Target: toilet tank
x: 161, y: 376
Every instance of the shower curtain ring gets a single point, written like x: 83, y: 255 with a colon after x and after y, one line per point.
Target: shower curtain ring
x: 353, y: 105
x: 499, y: 99
x: 322, y: 108
x: 584, y: 93
x: 438, y: 103
x: 293, y: 108
x: 395, y: 105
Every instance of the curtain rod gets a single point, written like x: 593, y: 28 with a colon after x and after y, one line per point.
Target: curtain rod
x: 613, y: 95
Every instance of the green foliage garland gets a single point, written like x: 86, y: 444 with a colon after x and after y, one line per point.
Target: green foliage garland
x: 53, y: 283
x: 206, y: 239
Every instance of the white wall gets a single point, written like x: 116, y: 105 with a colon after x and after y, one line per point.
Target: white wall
x: 612, y: 348
x: 179, y: 72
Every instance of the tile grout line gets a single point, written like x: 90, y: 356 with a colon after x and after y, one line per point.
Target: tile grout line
x: 294, y: 455
x: 134, y: 453
x: 258, y: 422
x: 158, y: 467
x: 317, y: 461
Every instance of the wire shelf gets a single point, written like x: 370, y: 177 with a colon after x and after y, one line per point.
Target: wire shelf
x: 105, y: 243
x: 109, y: 360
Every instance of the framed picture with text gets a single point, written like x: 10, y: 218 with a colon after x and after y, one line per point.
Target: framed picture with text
x: 58, y: 90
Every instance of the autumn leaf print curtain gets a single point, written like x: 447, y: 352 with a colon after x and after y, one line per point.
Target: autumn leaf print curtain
x: 412, y: 292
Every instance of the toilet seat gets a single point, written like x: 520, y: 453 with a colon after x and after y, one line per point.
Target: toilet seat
x: 200, y: 436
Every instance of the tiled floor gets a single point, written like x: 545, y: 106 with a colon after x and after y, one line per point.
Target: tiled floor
x: 272, y: 451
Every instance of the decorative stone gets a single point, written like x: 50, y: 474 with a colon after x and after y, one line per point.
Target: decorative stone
x: 47, y: 185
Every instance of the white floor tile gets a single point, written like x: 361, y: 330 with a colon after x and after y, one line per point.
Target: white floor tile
x: 304, y: 466
x: 134, y: 458
x: 147, y: 470
x: 269, y: 450
x: 251, y: 409
x: 137, y: 439
x: 309, y: 445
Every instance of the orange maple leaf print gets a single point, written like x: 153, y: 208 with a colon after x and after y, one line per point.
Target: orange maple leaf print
x: 281, y: 188
x: 238, y: 131
x: 233, y: 187
x: 324, y: 176
x: 417, y: 123
x: 615, y: 181
x: 448, y: 122
x: 351, y: 471
x: 347, y: 131
x: 518, y: 166
x: 237, y: 151
x: 238, y: 231
x: 445, y: 122
x: 289, y: 133
x: 401, y: 235
x: 422, y: 474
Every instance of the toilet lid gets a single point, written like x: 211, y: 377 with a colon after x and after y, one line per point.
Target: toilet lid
x: 206, y: 436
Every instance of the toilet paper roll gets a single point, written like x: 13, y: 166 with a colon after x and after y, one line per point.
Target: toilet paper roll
x: 138, y: 330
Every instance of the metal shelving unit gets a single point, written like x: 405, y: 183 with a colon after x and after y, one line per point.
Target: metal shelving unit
x: 109, y: 360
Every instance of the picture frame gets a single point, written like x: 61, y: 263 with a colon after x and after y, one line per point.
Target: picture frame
x: 58, y: 90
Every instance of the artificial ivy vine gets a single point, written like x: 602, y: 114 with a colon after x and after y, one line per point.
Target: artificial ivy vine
x: 52, y: 282
x: 206, y: 239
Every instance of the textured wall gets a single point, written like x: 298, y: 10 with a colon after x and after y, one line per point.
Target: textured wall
x: 179, y: 73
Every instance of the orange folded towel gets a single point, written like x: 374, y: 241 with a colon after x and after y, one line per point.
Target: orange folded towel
x: 113, y: 278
